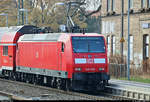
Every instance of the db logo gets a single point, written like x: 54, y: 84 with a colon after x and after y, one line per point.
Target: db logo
x: 90, y: 60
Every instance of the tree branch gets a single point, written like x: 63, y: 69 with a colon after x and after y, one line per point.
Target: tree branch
x: 91, y: 13
x: 83, y: 11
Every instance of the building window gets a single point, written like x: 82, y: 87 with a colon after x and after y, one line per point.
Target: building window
x: 103, y: 27
x: 146, y: 46
x: 131, y: 47
x: 148, y: 3
x: 108, y: 6
x: 143, y: 3
x: 113, y: 5
x: 5, y: 50
x: 108, y: 27
x: 108, y: 45
x: 131, y: 4
x: 113, y: 45
x: 112, y: 27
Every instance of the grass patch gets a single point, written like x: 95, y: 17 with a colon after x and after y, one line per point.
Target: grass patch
x: 137, y: 79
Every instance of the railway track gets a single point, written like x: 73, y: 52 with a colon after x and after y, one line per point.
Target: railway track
x: 12, y: 96
x: 109, y: 94
x: 85, y: 96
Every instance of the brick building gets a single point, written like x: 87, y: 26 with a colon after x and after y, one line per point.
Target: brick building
x: 111, y: 27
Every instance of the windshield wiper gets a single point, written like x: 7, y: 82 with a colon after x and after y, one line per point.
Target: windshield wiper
x: 74, y: 50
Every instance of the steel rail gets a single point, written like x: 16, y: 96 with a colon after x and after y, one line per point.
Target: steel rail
x: 110, y: 93
x: 84, y: 95
x: 12, y: 96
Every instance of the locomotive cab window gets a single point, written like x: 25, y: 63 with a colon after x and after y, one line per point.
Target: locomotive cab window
x: 88, y: 44
x: 5, y: 50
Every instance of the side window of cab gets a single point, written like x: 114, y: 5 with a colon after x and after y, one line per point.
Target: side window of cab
x: 62, y: 47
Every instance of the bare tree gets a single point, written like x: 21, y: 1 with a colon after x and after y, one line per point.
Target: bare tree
x: 84, y: 6
x: 42, y: 6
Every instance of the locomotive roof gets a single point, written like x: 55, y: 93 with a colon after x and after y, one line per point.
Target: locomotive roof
x: 41, y: 37
x: 51, y: 37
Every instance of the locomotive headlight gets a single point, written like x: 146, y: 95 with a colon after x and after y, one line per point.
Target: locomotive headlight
x: 77, y: 69
x: 101, y: 69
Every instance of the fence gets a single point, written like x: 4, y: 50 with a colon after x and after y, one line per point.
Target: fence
x: 146, y: 66
x: 117, y: 70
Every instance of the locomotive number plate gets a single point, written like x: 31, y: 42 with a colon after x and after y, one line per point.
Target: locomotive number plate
x: 90, y: 60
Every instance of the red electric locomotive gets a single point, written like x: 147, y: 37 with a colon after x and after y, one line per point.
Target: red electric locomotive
x: 65, y: 61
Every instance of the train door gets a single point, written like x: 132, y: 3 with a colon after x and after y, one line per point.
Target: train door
x: 61, y: 56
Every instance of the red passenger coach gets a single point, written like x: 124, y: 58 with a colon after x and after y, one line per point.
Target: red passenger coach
x: 8, y: 42
x: 77, y: 61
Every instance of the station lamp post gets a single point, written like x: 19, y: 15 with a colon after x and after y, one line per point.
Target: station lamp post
x: 5, y: 14
x: 128, y: 58
x: 122, y: 30
x: 22, y: 10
